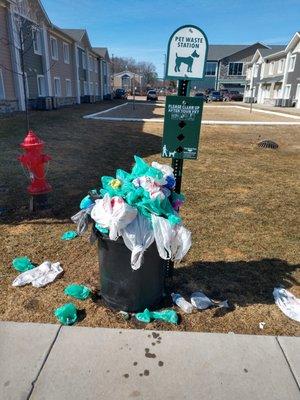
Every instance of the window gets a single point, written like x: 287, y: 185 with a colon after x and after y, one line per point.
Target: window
x: 235, y: 69
x: 68, y: 88
x: 83, y: 60
x: 287, y: 91
x: 85, y: 88
x: 280, y: 65
x: 292, y: 63
x: 66, y: 51
x: 96, y: 89
x: 255, y: 72
x: 54, y: 48
x: 210, y: 68
x: 2, y: 92
x: 271, y: 68
x: 91, y: 63
x: 91, y: 87
x: 41, y: 86
x: 57, y: 87
x: 36, y: 40
x: 96, y: 65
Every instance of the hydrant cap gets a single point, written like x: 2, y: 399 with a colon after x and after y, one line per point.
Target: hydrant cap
x: 31, y: 140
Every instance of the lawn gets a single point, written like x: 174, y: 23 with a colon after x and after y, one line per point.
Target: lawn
x: 241, y: 208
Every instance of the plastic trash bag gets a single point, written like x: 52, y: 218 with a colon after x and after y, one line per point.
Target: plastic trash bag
x: 200, y: 301
x: 173, y: 242
x: 39, y: 276
x: 99, y: 228
x: 287, y: 302
x: 141, y: 168
x: 138, y: 236
x: 165, y: 315
x: 86, y: 202
x: 69, y: 235
x: 22, y: 264
x: 168, y: 173
x: 182, y: 303
x: 114, y: 214
x: 80, y: 292
x: 66, y: 314
x: 82, y: 219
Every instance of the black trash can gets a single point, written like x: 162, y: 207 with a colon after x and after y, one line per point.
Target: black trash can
x: 123, y: 288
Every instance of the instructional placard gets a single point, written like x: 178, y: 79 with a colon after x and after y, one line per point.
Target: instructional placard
x: 182, y: 127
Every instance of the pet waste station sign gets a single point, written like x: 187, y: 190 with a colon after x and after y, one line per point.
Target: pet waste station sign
x: 187, y: 50
x: 182, y: 127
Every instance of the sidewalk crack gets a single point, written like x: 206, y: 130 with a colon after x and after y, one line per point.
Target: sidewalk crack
x: 288, y: 363
x: 43, y: 363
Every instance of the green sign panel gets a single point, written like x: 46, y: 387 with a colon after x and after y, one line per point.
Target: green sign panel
x: 182, y: 127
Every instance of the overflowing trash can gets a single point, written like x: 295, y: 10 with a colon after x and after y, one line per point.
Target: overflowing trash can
x: 136, y: 223
x: 123, y: 288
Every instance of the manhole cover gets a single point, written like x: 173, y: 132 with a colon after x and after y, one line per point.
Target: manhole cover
x: 268, y: 144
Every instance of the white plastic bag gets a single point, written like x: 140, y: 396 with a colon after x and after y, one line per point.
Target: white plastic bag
x: 114, y: 214
x: 200, y: 301
x: 138, y: 236
x: 172, y: 241
x: 81, y: 219
x: 287, y: 302
x: 39, y: 276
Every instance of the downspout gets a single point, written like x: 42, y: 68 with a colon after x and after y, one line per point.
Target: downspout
x: 77, y: 74
x: 46, y: 63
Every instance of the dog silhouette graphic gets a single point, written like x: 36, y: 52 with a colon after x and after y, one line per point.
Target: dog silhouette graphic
x: 185, y: 60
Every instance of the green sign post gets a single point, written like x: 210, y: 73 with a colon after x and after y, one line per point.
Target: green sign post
x: 186, y: 58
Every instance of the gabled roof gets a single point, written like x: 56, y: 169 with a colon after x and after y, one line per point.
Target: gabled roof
x: 293, y: 41
x: 126, y: 72
x: 102, y: 52
x: 76, y: 34
x: 219, y: 51
x: 272, y: 50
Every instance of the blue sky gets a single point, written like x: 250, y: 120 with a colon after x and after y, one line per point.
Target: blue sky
x: 141, y: 28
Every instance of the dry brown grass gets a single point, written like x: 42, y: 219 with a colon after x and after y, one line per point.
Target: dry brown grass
x: 241, y: 208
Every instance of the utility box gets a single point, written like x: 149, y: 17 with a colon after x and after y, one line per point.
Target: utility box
x: 182, y: 127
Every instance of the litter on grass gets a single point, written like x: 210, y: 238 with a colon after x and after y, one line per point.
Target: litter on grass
x: 22, y: 264
x: 66, y: 314
x: 165, y: 315
x: 69, y: 235
x: 261, y: 325
x: 201, y: 301
x: 287, y: 302
x: 182, y: 303
x: 140, y: 206
x: 39, y: 276
x: 79, y: 292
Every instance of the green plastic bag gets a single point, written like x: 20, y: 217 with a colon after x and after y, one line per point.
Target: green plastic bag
x: 66, y: 314
x: 165, y: 315
x: 69, y: 235
x: 22, y: 264
x: 80, y: 292
x: 105, y: 231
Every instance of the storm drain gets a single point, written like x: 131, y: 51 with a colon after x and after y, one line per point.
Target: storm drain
x: 268, y: 144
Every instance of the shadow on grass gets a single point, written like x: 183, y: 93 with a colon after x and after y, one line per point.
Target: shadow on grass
x: 242, y: 283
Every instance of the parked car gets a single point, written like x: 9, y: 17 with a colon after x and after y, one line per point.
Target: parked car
x: 215, y: 96
x: 202, y: 95
x: 120, y: 94
x: 233, y: 95
x: 152, y: 95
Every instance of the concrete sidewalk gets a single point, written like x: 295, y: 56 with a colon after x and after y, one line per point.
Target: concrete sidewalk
x: 50, y: 362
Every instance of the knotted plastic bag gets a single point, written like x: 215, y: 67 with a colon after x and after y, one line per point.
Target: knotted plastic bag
x: 138, y: 236
x: 69, y: 235
x: 79, y: 292
x: 66, y: 314
x: 114, y: 214
x: 165, y: 315
x: 22, y: 264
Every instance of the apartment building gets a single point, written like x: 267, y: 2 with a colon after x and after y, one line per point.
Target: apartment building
x: 273, y: 75
x: 61, y: 67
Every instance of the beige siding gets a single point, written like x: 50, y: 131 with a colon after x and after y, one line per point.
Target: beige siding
x: 60, y: 69
x: 5, y: 57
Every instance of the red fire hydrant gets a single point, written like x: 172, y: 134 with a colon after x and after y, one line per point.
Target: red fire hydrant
x: 34, y: 161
